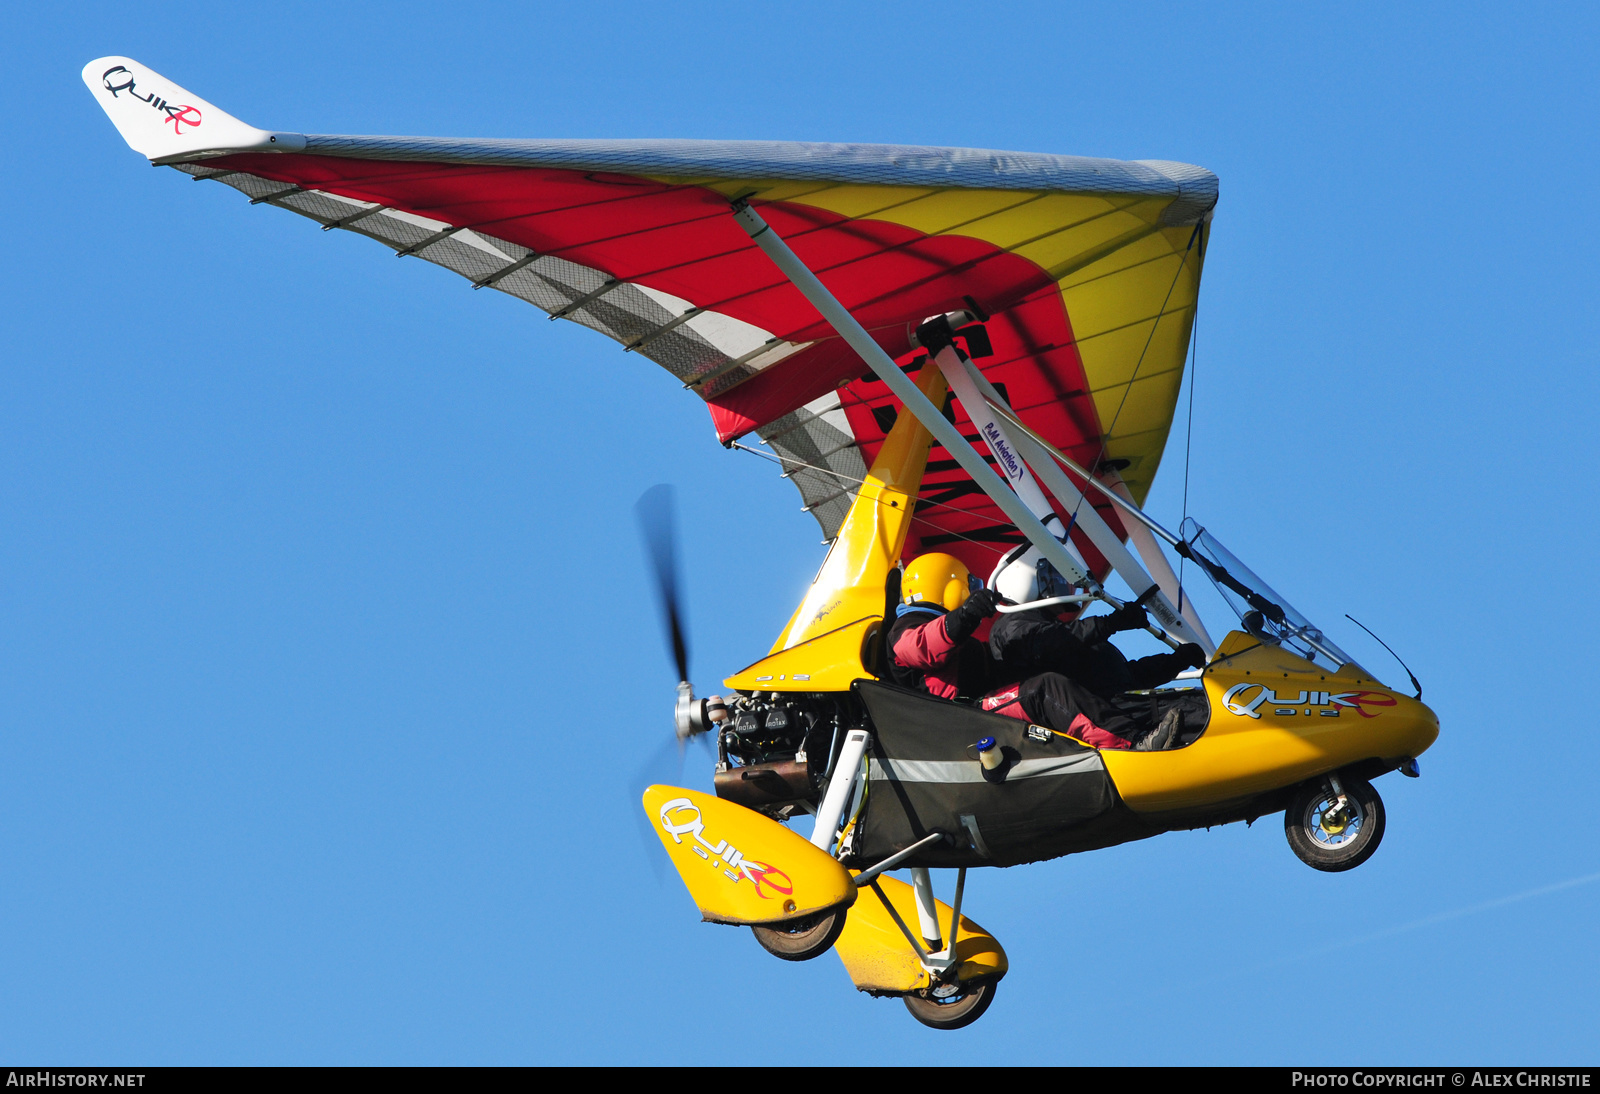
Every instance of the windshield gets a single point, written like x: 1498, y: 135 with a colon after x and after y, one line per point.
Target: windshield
x: 1262, y: 612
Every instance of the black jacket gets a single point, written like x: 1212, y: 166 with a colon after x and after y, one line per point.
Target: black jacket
x: 1025, y: 644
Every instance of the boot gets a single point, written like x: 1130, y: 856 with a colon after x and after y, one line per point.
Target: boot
x: 1164, y: 734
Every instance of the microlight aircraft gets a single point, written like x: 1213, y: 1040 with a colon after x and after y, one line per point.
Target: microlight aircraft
x: 947, y: 350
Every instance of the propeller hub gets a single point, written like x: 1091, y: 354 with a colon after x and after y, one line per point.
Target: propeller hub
x: 683, y: 712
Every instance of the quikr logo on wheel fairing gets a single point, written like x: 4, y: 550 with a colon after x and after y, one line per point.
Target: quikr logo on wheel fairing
x: 681, y: 817
x: 1246, y: 700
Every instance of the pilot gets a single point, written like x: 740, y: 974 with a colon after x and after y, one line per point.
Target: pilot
x: 1070, y: 674
x: 930, y: 643
x: 1057, y: 639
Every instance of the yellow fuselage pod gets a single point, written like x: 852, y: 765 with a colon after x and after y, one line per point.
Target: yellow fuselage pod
x: 1276, y: 720
x: 880, y: 959
x: 739, y: 866
x: 850, y: 584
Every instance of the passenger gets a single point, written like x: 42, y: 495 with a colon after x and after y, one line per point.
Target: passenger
x: 930, y: 643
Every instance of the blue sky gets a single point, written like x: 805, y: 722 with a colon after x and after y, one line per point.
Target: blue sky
x: 326, y: 651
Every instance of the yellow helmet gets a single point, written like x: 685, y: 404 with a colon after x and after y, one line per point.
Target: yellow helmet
x: 937, y: 579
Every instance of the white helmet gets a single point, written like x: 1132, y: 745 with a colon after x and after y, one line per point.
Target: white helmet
x: 1024, y: 575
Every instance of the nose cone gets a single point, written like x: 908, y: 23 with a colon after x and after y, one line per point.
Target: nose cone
x: 1413, y: 728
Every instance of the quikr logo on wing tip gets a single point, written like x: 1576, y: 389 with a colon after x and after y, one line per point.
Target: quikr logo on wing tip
x: 118, y: 79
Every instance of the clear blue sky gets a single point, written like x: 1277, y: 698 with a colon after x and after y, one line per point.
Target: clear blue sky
x: 327, y: 657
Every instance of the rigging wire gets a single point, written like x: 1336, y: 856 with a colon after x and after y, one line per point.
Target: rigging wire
x: 842, y: 477
x: 1183, y: 262
x: 1188, y: 435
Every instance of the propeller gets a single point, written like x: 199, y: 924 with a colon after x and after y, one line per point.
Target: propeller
x: 657, y: 528
x: 656, y: 525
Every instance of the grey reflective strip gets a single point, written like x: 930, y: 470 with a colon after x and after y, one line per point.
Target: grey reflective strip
x: 970, y: 771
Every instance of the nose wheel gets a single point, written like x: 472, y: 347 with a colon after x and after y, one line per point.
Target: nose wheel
x: 1334, y: 824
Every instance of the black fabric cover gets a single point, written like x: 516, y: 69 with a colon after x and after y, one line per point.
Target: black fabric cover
x: 925, y: 776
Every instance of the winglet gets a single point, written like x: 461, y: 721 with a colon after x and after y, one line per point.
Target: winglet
x: 168, y: 124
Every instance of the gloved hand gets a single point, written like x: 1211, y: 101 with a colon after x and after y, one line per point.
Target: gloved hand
x: 1129, y: 617
x: 960, y: 623
x: 1192, y: 655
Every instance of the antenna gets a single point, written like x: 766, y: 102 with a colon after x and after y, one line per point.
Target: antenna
x: 1385, y: 645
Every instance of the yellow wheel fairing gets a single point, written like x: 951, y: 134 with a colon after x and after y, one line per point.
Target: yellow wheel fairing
x: 880, y: 959
x: 739, y: 866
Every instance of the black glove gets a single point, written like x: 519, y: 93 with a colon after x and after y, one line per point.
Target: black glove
x: 1129, y: 617
x: 960, y: 623
x: 1192, y: 655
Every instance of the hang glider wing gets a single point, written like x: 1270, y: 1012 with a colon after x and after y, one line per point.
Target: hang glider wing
x: 1089, y: 269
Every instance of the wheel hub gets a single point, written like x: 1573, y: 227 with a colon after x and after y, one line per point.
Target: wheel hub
x: 1333, y: 824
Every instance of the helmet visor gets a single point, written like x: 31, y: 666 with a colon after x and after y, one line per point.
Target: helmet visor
x: 1051, y: 583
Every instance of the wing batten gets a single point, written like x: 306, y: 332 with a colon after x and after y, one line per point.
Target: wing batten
x: 630, y: 314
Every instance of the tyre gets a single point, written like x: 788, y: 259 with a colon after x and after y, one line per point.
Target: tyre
x: 951, y: 1006
x: 802, y: 939
x: 1327, y: 840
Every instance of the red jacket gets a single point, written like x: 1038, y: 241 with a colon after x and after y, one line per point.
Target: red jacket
x: 923, y: 655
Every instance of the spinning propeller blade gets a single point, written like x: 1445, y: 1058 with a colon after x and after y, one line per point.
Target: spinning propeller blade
x: 657, y: 528
x: 654, y: 510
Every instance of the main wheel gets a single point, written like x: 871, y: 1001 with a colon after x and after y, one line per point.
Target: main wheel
x: 804, y: 938
x: 1332, y: 839
x: 951, y: 1006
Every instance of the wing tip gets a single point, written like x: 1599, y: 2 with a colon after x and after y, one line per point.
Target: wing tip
x: 168, y: 124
